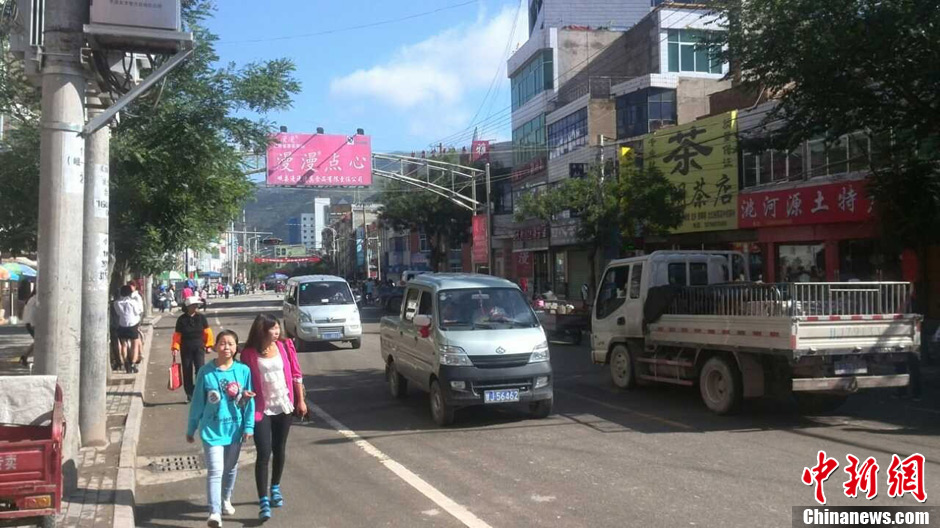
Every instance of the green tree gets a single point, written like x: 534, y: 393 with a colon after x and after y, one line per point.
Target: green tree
x: 446, y: 224
x: 632, y: 203
x: 177, y: 166
x: 843, y: 66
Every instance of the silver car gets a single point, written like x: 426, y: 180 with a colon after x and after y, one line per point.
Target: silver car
x: 321, y: 308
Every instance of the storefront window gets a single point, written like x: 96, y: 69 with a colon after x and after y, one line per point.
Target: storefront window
x: 561, y: 273
x: 866, y: 260
x: 801, y: 263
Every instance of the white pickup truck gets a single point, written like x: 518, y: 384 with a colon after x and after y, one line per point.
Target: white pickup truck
x: 677, y: 317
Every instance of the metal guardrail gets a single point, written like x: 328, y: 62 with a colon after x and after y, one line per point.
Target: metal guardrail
x: 790, y: 299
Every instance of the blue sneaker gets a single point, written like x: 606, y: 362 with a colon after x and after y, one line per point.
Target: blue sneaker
x: 277, y: 500
x: 264, y: 513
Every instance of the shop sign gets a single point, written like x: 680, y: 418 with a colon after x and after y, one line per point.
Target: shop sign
x: 533, y: 167
x: 702, y: 158
x: 532, y: 233
x: 818, y: 204
x: 565, y: 232
x: 479, y: 150
x: 481, y: 242
x: 523, y: 262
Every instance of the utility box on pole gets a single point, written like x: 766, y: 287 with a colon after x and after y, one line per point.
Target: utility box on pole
x: 156, y: 14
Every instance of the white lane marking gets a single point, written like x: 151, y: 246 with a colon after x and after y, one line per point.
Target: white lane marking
x: 543, y: 498
x: 459, y: 512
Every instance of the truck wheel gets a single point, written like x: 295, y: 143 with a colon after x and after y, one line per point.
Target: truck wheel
x: 542, y: 408
x: 720, y: 385
x: 814, y: 403
x: 47, y: 521
x: 356, y: 343
x: 397, y: 384
x: 621, y: 367
x: 442, y: 413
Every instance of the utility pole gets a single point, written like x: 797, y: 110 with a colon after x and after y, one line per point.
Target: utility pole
x: 61, y: 205
x: 92, y: 414
x: 365, y: 240
x: 489, y: 223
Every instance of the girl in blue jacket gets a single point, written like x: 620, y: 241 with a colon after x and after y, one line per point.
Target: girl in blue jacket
x: 224, y: 412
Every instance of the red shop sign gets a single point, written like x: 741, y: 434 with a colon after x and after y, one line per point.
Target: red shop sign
x: 819, y: 204
x: 523, y: 260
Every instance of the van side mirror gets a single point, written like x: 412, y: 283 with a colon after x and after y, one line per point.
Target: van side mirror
x: 422, y: 321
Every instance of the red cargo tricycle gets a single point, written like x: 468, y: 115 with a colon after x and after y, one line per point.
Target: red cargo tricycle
x: 32, y: 426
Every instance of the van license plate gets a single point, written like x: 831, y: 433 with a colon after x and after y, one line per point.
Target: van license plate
x: 850, y: 367
x: 332, y: 335
x: 501, y: 396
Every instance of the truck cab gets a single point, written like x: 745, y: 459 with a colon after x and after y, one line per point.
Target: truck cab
x: 467, y: 340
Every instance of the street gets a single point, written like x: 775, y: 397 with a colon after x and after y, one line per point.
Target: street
x: 650, y: 457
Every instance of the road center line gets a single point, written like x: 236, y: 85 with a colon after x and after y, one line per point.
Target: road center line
x: 459, y: 512
x: 627, y: 410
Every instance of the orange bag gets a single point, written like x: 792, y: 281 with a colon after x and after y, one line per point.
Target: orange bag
x: 176, y: 375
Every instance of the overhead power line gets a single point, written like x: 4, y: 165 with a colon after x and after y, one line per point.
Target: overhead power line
x: 350, y: 28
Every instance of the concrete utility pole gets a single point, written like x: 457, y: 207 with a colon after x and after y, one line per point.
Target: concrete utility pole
x: 61, y: 193
x: 489, y: 223
x: 365, y: 240
x: 92, y: 413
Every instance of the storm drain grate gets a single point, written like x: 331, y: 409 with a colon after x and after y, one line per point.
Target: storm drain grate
x: 176, y: 463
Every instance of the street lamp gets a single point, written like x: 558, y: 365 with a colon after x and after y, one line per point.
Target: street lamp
x: 333, y: 252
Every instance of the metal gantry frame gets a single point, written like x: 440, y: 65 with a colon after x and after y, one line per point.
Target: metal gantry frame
x: 457, y: 183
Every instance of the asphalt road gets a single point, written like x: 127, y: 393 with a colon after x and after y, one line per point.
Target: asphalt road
x: 650, y: 457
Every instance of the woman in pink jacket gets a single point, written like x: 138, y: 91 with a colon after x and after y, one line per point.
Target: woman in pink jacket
x: 279, y: 386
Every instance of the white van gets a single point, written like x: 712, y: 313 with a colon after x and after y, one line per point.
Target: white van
x: 321, y: 308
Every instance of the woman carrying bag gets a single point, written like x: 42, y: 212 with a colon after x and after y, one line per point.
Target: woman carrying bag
x: 279, y: 395
x: 192, y: 340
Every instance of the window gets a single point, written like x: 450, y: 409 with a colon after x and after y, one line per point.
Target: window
x: 424, y: 307
x: 645, y: 111
x: 423, y: 243
x: 698, y: 274
x: 411, y: 304
x: 771, y: 165
x: 533, y: 78
x: 484, y: 308
x: 528, y: 140
x: 636, y: 277
x: 847, y: 154
x: 503, y: 198
x: 320, y: 293
x: 677, y: 276
x: 456, y: 267
x: 688, y: 52
x: 568, y: 133
x: 613, y: 291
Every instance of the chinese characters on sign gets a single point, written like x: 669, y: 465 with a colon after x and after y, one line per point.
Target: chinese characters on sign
x: 829, y: 203
x: 285, y: 260
x: 702, y: 157
x: 479, y: 150
x: 320, y: 160
x: 481, y: 245
x: 903, y: 476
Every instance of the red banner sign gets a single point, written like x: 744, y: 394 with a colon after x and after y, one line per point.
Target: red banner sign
x: 479, y: 150
x: 481, y: 240
x: 320, y: 160
x: 286, y: 260
x: 523, y: 261
x: 818, y: 204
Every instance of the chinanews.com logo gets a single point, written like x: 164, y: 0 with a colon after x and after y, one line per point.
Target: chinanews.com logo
x: 902, y: 476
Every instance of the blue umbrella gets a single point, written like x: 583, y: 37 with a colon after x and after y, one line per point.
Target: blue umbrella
x: 18, y: 271
x: 211, y: 274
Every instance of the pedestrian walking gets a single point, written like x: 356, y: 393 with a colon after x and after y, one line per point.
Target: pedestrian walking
x: 228, y: 290
x: 128, y: 311
x: 192, y: 340
x: 223, y: 410
x: 204, y: 298
x: 279, y: 386
x: 139, y: 340
x: 29, y: 319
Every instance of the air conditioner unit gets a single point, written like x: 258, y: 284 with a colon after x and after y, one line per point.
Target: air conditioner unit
x: 151, y: 14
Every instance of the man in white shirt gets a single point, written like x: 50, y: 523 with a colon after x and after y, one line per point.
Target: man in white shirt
x: 128, y: 311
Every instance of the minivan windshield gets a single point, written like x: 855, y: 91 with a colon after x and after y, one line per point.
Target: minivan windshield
x: 484, y: 308
x: 320, y: 293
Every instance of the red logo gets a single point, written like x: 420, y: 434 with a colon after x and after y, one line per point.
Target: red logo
x: 904, y: 476
x: 819, y: 473
x: 907, y: 476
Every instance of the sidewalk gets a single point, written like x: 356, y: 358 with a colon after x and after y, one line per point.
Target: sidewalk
x: 104, y: 496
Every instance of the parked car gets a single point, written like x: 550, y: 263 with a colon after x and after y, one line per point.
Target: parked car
x: 321, y: 308
x: 467, y: 340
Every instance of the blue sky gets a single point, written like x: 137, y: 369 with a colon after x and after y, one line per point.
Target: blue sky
x: 408, y: 83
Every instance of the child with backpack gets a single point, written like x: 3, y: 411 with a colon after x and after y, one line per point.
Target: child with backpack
x: 223, y: 409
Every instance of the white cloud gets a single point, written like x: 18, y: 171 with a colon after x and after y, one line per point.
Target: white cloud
x: 438, y: 83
